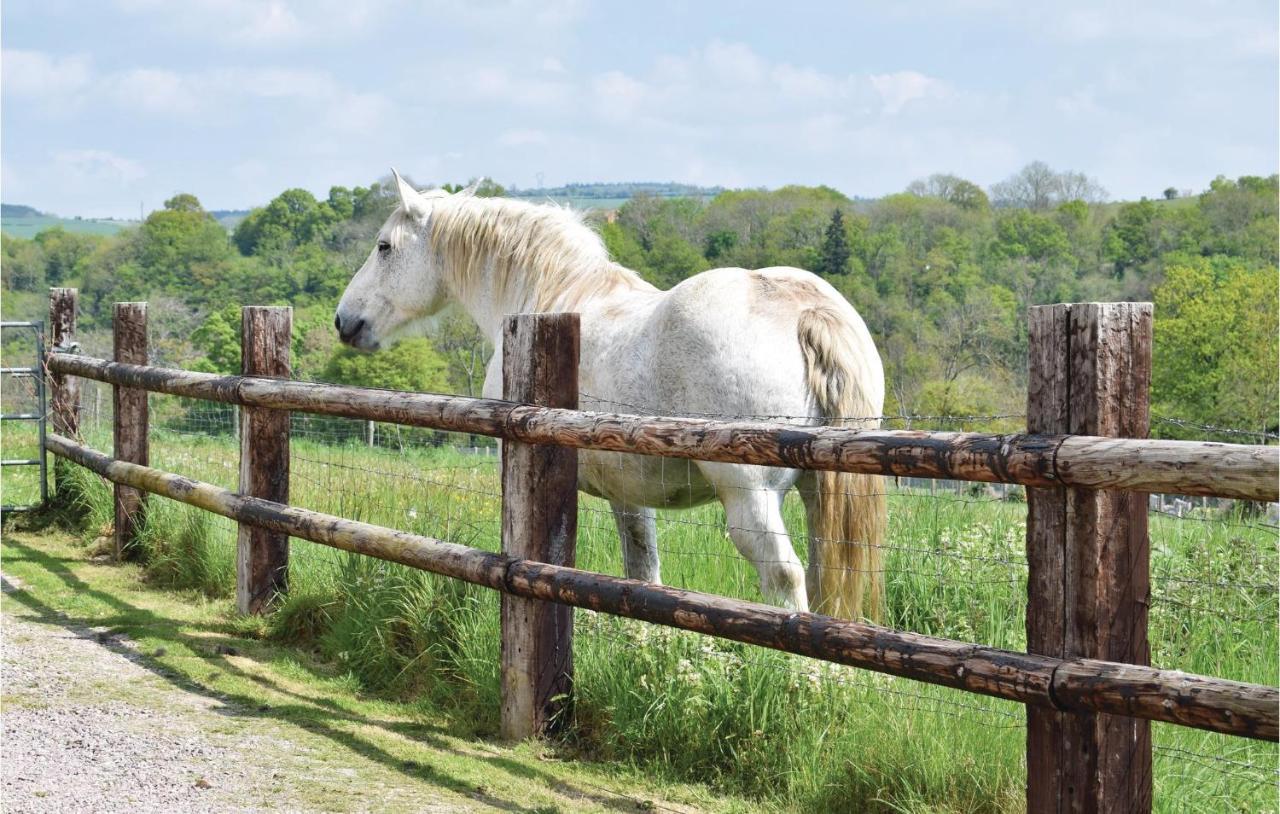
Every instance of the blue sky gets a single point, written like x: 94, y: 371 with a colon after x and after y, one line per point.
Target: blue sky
x: 110, y: 104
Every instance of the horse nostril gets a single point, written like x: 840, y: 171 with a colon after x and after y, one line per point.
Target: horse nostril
x: 337, y: 323
x: 351, y: 330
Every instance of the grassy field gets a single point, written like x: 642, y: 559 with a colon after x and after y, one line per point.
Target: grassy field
x: 31, y: 225
x: 785, y: 731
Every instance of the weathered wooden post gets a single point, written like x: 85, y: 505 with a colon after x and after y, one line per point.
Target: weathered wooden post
x: 1089, y: 577
x: 262, y: 557
x: 129, y: 430
x: 539, y: 522
x: 64, y: 391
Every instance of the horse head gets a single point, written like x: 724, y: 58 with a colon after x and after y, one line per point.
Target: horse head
x: 399, y: 286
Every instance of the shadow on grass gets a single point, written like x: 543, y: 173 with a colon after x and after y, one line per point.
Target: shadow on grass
x: 316, y: 715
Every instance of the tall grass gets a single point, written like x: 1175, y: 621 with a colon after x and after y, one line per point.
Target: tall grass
x: 797, y: 733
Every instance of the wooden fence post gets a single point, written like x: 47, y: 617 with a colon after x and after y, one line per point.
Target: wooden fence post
x: 539, y: 522
x: 64, y: 391
x: 262, y: 556
x: 1087, y: 551
x: 129, y: 429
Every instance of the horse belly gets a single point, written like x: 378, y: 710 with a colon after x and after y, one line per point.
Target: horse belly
x: 641, y: 480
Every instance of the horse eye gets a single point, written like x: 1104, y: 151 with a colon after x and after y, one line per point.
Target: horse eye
x: 384, y: 246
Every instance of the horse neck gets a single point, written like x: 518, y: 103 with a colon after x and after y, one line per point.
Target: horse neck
x: 492, y: 289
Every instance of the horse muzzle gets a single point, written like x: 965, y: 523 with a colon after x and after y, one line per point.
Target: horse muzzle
x: 355, y: 332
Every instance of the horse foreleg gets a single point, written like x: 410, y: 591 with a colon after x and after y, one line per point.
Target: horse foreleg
x: 638, y: 530
x: 754, y: 517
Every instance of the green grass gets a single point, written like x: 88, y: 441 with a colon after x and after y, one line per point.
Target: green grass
x: 30, y: 226
x: 343, y: 750
x: 785, y: 731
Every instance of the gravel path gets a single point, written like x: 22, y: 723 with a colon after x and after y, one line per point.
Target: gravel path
x: 88, y: 728
x: 69, y: 747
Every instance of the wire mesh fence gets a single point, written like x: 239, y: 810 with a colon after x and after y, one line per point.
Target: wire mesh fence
x: 953, y: 565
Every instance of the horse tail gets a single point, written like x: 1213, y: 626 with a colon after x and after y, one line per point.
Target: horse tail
x: 848, y: 518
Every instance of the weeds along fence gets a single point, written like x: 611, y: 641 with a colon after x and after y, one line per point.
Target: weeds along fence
x: 1086, y: 467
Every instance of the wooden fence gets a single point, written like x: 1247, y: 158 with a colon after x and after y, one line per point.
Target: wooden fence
x: 1087, y: 684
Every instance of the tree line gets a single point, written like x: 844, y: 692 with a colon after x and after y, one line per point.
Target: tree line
x: 943, y: 273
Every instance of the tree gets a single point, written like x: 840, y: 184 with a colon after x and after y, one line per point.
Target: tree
x: 835, y: 247
x: 1170, y: 193
x: 63, y: 251
x: 952, y: 189
x: 218, y: 338
x: 1033, y: 187
x: 1025, y: 234
x: 22, y: 264
x: 1076, y: 186
x: 465, y: 351
x: 1130, y: 239
x: 410, y: 365
x: 1216, y: 351
x: 293, y: 218
x: 175, y: 240
x: 485, y: 188
x: 1037, y: 187
x: 1242, y: 217
x: 719, y: 243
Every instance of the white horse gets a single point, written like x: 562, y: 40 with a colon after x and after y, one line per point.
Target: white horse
x: 772, y: 342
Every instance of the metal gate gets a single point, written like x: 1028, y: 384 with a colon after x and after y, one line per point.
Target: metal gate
x: 12, y: 376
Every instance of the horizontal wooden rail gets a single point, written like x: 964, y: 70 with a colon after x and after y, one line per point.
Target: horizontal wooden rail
x: 1212, y: 704
x: 1175, y: 467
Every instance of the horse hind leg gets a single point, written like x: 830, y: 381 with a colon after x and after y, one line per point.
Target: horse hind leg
x: 638, y: 530
x: 754, y: 517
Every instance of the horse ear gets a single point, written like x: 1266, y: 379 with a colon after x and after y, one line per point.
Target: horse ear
x: 471, y: 188
x: 410, y: 198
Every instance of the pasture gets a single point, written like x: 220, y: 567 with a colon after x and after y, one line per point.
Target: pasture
x: 781, y: 729
x: 28, y: 226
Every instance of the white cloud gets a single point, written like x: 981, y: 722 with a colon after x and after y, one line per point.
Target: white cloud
x: 473, y: 85
x: 522, y: 138
x: 903, y: 87
x: 618, y: 96
x: 152, y: 91
x: 34, y: 73
x: 97, y: 166
x: 269, y: 22
x: 734, y: 62
x: 265, y: 23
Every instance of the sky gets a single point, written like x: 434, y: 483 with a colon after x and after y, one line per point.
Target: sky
x: 112, y: 106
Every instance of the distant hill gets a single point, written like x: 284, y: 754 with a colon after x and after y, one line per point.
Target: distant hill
x: 611, y: 196
x: 19, y: 220
x: 229, y: 217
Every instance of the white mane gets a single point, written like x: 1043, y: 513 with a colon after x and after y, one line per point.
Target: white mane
x: 531, y: 257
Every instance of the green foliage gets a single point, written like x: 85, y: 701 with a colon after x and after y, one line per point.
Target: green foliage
x: 942, y: 278
x: 835, y: 247
x: 485, y: 188
x: 218, y: 339
x: 63, y: 252
x: 293, y: 218
x: 1216, y: 347
x: 22, y: 264
x: 1130, y: 239
x: 175, y: 241
x: 1241, y: 217
x: 411, y: 365
x: 1021, y: 233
